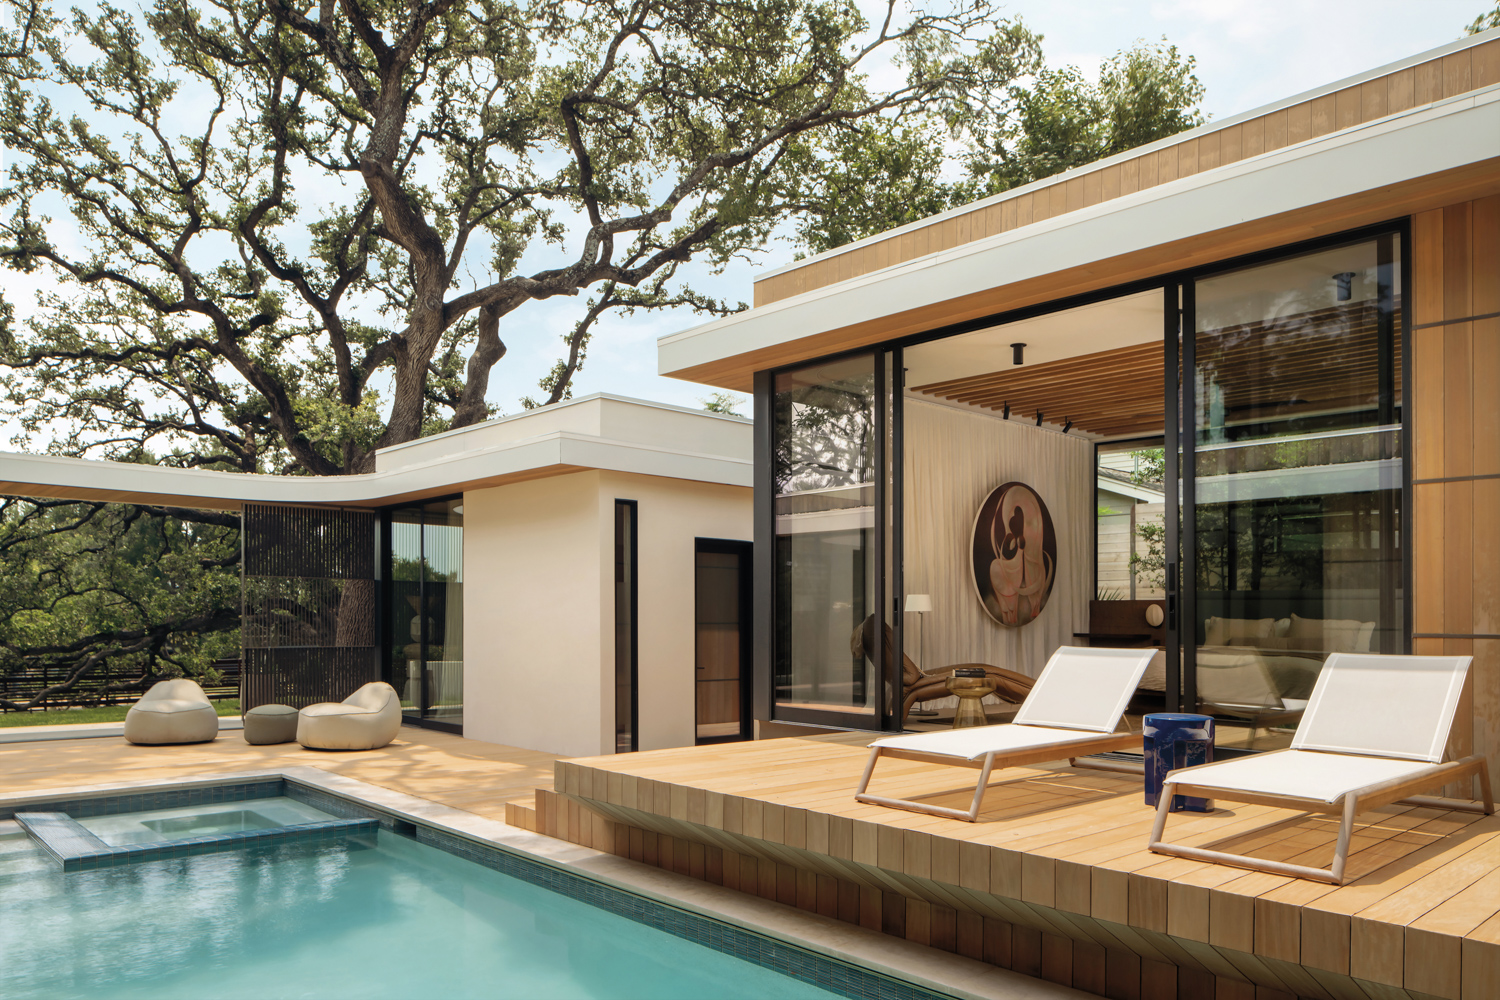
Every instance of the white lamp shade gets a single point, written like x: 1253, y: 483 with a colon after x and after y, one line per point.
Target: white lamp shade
x: 918, y: 602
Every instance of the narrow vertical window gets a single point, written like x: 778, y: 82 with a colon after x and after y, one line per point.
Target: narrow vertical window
x: 627, y: 709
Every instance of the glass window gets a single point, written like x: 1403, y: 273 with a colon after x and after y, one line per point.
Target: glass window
x: 627, y: 681
x: 823, y: 481
x: 1297, y: 480
x: 1130, y: 544
x: 425, y: 609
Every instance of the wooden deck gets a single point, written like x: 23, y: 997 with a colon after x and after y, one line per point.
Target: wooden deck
x: 1054, y: 879
x: 465, y: 774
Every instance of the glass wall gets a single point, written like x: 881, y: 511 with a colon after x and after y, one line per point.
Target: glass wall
x: 1295, y: 479
x: 425, y: 611
x: 824, y: 456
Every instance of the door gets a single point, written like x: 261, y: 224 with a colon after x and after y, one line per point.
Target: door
x: 722, y: 633
x: 1291, y: 436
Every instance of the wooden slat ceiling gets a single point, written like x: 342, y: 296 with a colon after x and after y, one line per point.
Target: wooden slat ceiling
x: 1109, y: 393
x: 1312, y: 362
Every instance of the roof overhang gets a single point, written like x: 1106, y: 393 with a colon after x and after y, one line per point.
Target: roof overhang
x: 651, y: 439
x: 1425, y: 158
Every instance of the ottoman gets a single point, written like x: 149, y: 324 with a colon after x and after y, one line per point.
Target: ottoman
x: 270, y: 724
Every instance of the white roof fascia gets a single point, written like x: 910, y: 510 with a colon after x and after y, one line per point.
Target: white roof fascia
x: 562, y: 448
x: 1130, y: 490
x: 1402, y: 147
x: 1208, y: 128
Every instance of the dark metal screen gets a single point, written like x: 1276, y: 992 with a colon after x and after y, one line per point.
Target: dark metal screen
x: 309, y: 625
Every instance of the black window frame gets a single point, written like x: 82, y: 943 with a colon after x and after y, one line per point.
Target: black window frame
x: 1176, y: 288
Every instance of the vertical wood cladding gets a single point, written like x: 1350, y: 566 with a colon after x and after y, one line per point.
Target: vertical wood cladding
x: 1456, y: 454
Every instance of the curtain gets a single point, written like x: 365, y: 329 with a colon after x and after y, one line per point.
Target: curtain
x: 954, y: 458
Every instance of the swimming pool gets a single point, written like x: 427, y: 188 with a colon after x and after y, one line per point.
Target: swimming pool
x: 371, y: 914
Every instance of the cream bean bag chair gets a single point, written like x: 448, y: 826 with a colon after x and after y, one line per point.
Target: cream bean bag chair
x: 367, y: 719
x: 174, y: 711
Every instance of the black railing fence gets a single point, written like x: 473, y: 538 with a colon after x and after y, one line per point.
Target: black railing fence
x: 104, y: 686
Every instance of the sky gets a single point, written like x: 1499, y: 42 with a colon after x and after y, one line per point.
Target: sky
x: 1249, y: 52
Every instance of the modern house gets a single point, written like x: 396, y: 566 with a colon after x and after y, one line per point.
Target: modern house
x: 572, y: 579
x: 1294, y: 312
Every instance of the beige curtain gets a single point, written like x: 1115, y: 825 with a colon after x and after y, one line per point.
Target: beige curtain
x: 954, y: 458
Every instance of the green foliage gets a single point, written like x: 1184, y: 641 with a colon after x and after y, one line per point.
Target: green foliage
x: 282, y: 236
x: 723, y: 402
x: 888, y: 174
x: 1063, y: 120
x: 1486, y: 21
x: 143, y: 593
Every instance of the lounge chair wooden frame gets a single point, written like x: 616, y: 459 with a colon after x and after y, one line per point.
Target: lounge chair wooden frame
x: 1015, y: 758
x: 1351, y: 804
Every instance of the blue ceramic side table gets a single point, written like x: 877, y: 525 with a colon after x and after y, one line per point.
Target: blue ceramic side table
x: 1173, y: 741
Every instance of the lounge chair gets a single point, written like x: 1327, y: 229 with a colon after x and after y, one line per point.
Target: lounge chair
x: 919, y: 685
x: 175, y: 711
x: 366, y: 720
x: 1073, y: 710
x: 1373, y: 732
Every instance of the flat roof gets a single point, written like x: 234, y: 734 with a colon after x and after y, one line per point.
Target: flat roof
x: 1396, y: 164
x: 600, y: 431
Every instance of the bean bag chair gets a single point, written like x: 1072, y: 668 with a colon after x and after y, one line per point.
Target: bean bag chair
x: 367, y: 719
x: 175, y: 711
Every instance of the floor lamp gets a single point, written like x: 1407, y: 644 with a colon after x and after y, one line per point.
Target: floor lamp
x: 920, y: 604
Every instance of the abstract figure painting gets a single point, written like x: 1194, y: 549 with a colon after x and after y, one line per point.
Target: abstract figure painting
x: 1015, y: 554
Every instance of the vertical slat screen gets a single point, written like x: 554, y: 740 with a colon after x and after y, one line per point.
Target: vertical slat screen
x: 309, y: 622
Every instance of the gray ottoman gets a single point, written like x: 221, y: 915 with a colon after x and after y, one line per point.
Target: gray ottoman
x: 270, y: 724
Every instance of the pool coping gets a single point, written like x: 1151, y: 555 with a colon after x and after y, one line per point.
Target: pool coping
x: 898, y: 959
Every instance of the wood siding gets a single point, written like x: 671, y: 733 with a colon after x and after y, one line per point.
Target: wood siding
x: 1427, y: 83
x: 1055, y: 879
x: 1455, y: 461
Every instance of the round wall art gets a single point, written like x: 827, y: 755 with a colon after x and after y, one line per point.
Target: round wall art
x: 1015, y: 554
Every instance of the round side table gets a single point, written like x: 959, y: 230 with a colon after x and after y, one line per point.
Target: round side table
x: 971, y: 691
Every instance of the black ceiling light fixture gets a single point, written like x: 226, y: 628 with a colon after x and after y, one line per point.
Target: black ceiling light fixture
x: 1015, y: 354
x: 1068, y: 425
x: 1039, y: 418
x: 1344, y: 282
x: 1006, y: 414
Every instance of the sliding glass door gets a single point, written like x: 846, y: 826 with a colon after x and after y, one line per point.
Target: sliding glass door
x: 831, y: 541
x: 1291, y: 480
x: 425, y: 612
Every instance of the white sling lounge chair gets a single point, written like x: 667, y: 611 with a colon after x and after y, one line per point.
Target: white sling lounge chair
x: 1072, y: 711
x: 1373, y: 733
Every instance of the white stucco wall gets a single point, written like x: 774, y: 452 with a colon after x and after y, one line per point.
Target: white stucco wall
x: 539, y: 607
x: 532, y: 615
x: 672, y: 514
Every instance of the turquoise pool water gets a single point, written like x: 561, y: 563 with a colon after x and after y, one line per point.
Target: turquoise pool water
x: 368, y: 918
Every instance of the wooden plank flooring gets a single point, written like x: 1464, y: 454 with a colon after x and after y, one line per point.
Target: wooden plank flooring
x: 1062, y: 851
x: 465, y: 774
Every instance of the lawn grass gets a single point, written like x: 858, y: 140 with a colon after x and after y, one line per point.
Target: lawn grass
x: 107, y: 713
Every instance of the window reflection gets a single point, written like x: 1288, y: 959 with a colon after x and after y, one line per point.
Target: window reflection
x: 823, y: 479
x: 425, y: 610
x: 1297, y: 465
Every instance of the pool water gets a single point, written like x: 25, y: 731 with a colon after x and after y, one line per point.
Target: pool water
x: 366, y: 917
x: 166, y: 825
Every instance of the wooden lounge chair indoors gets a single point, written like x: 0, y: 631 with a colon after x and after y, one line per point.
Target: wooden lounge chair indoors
x: 919, y: 685
x: 1073, y: 710
x: 1374, y: 732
